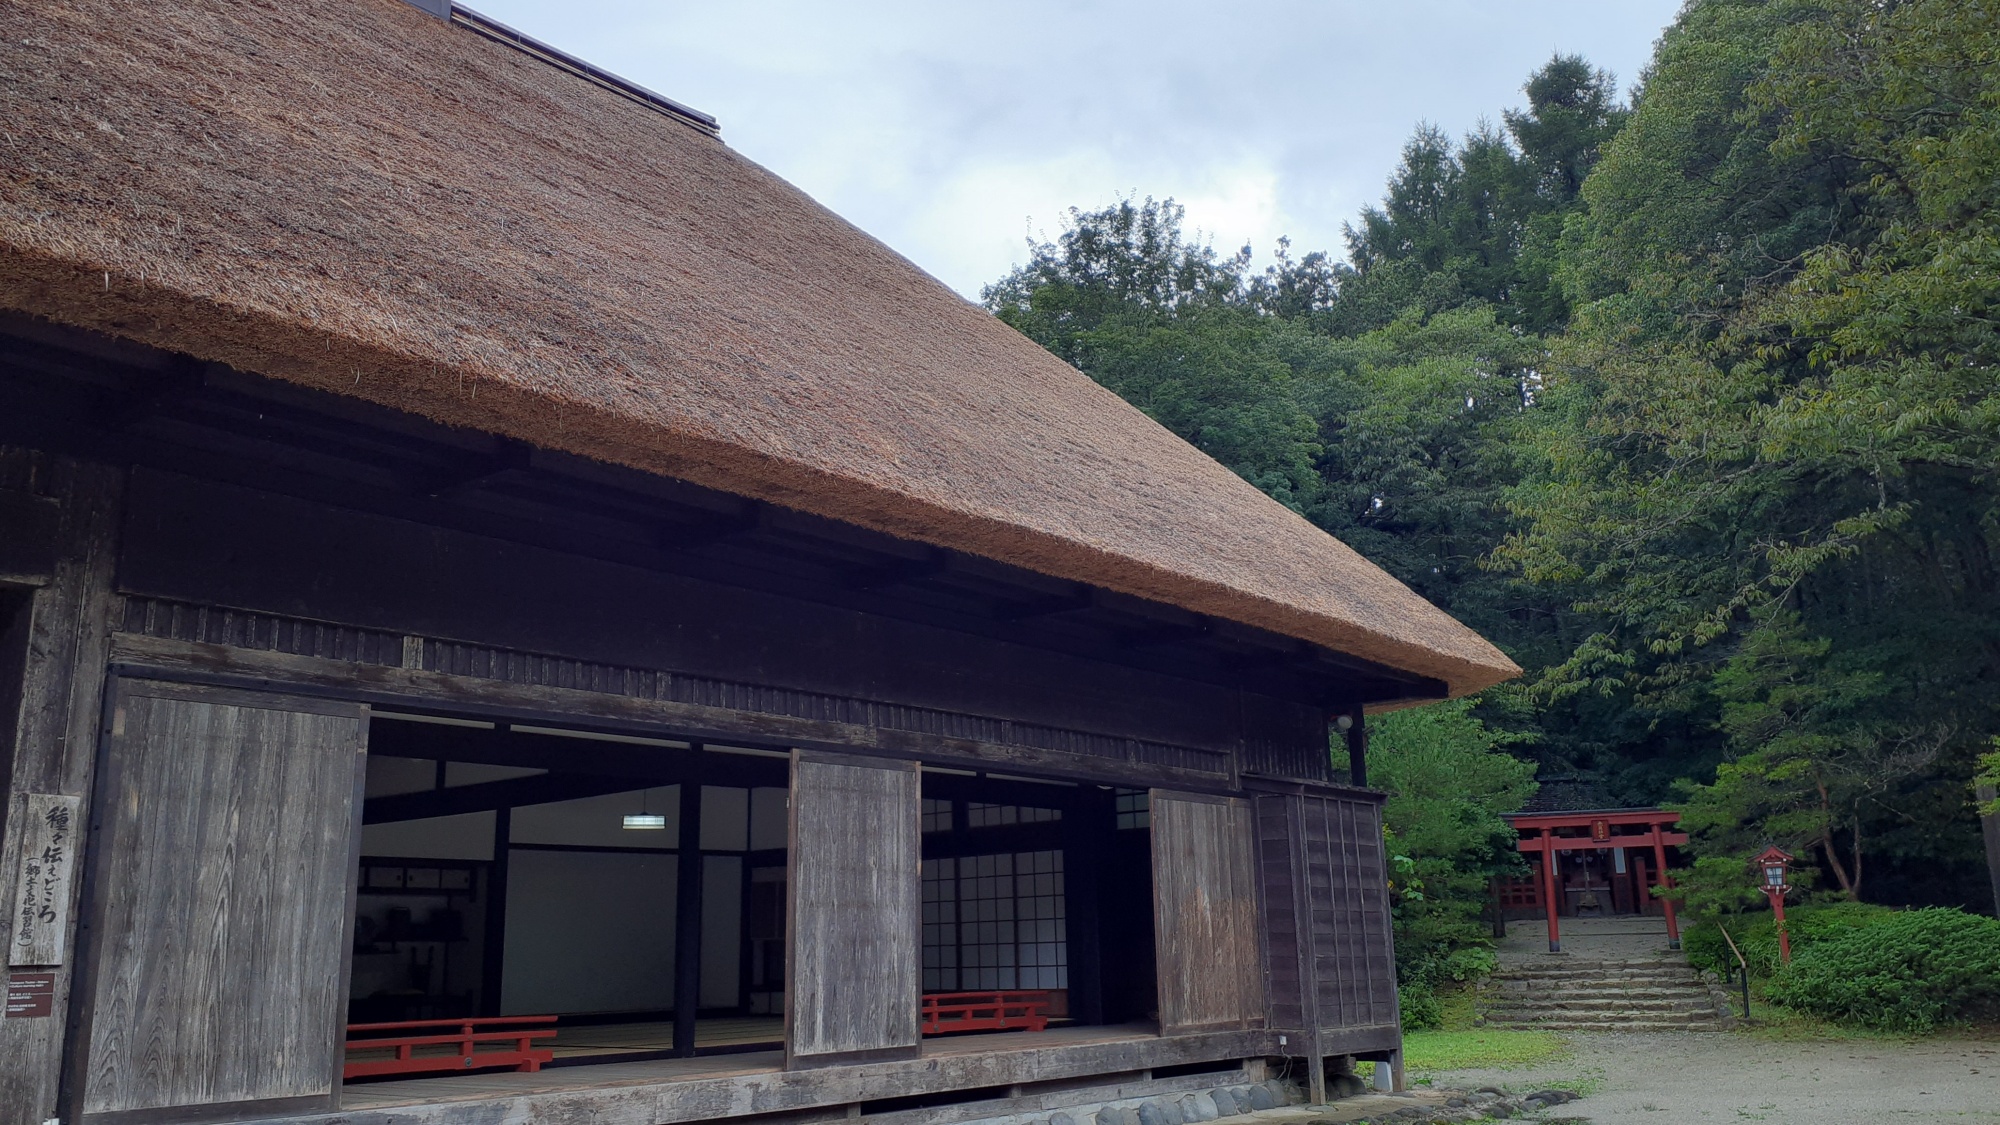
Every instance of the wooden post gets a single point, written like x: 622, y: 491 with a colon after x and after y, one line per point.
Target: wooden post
x: 1088, y: 825
x: 1357, y: 748
x: 1551, y: 888
x: 54, y: 739
x: 1990, y: 826
x: 493, y: 953
x: 687, y: 922
x: 1660, y: 858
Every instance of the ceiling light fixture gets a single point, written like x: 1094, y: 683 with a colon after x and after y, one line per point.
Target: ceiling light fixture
x: 645, y: 820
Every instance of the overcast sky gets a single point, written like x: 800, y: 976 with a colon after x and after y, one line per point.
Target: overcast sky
x: 952, y: 130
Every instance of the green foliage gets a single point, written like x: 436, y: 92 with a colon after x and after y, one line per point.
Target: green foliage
x: 1912, y: 972
x: 1420, y: 1006
x: 1450, y: 780
x: 1763, y: 458
x: 1756, y: 934
x: 1481, y: 1049
x: 1687, y: 404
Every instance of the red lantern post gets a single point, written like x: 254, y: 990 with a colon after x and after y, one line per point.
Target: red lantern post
x: 1776, y: 864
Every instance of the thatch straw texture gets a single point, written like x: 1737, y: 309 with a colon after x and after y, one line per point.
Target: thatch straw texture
x: 357, y: 196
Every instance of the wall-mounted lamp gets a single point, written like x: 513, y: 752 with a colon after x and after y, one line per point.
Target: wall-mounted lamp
x: 1344, y: 723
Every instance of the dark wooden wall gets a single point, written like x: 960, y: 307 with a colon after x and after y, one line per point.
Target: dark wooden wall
x: 211, y: 544
x: 853, y: 977
x: 1211, y: 965
x: 69, y: 548
x: 1326, y: 909
x: 221, y: 863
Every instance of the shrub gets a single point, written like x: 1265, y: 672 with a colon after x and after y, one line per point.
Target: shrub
x: 1757, y: 934
x: 1910, y: 972
x: 1422, y: 1009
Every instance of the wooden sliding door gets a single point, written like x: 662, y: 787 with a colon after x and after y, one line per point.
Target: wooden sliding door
x: 1211, y: 968
x: 852, y: 978
x: 220, y: 897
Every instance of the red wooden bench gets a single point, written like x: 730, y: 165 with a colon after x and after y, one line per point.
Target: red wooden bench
x: 986, y: 1011
x: 467, y: 1046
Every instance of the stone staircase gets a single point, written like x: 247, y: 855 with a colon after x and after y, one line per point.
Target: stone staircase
x: 1565, y: 992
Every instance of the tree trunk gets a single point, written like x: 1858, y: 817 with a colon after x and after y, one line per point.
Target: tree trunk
x: 1832, y: 852
x: 1990, y: 824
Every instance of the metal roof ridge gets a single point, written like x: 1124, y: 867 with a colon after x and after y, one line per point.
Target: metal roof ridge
x: 527, y: 44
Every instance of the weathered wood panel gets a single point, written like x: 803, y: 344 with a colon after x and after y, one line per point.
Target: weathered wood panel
x: 1211, y: 968
x: 53, y: 726
x: 1326, y: 909
x: 220, y: 892
x: 1347, y: 883
x: 852, y: 981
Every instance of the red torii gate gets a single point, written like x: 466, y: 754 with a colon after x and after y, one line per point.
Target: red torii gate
x: 1655, y: 823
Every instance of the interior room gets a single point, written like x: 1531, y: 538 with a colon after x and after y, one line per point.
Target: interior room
x: 1037, y: 886
x: 517, y: 871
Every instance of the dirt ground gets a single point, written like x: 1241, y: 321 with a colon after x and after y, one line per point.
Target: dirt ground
x: 1667, y: 1078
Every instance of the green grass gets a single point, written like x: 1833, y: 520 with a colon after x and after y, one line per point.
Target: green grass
x: 1481, y: 1048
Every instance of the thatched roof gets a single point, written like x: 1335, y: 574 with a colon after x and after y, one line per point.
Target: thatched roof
x: 363, y: 198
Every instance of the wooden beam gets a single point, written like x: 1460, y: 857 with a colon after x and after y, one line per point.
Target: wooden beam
x: 746, y: 520
x: 510, y: 793
x: 507, y: 457
x: 411, y: 687
x: 898, y: 573
x: 1081, y: 599
x: 1586, y: 844
x: 1164, y: 635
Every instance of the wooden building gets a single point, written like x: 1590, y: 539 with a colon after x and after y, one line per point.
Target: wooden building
x: 1590, y: 857
x: 475, y: 548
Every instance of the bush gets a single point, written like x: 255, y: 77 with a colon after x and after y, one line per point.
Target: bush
x: 1910, y: 972
x: 1422, y: 1010
x: 1757, y: 934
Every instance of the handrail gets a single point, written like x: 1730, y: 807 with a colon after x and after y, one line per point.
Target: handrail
x: 403, y: 1057
x: 1741, y: 962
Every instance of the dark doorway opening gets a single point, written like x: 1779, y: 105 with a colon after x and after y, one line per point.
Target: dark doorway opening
x: 1038, y: 886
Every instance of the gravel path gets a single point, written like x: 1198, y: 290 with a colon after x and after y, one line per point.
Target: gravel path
x: 1667, y: 1078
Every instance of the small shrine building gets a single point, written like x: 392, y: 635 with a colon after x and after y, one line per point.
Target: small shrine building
x: 1590, y: 858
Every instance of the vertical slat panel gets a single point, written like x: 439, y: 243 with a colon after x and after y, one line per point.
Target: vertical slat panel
x: 221, y: 892
x: 1284, y: 948
x: 1352, y: 956
x: 1211, y: 969
x: 853, y: 975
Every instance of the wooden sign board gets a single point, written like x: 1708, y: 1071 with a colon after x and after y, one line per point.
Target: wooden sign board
x: 41, y: 885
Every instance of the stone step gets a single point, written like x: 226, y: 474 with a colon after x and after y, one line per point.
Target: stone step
x: 1595, y: 981
x: 1603, y: 1004
x: 1519, y: 984
x: 1504, y: 995
x: 1609, y: 1025
x: 1558, y: 965
x: 1571, y: 959
x: 1591, y: 970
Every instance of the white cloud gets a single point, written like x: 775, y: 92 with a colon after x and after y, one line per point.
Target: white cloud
x: 942, y: 129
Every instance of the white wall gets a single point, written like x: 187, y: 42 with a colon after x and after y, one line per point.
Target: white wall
x: 465, y: 836
x: 588, y: 932
x: 721, y: 930
x: 598, y: 822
